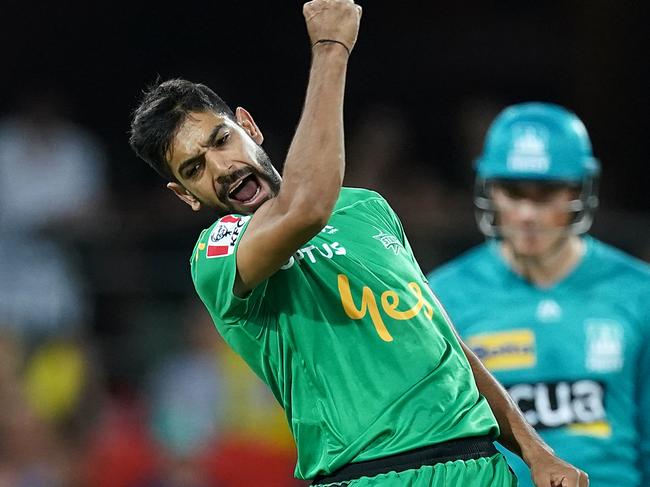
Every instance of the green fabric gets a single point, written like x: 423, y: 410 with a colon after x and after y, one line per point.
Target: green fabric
x: 483, y: 472
x: 349, y: 338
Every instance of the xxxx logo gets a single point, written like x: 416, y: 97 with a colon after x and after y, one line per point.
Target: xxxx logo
x: 390, y: 302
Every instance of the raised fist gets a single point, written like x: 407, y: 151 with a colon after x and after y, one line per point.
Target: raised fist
x: 332, y: 19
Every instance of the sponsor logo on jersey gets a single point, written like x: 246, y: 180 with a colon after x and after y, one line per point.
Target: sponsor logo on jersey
x: 548, y: 310
x: 506, y: 350
x: 224, y: 236
x: 600, y: 429
x: 577, y: 406
x: 389, y: 241
x: 313, y: 253
x: 604, y: 345
x: 390, y: 302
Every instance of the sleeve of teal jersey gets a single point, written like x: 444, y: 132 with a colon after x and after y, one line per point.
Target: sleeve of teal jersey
x: 214, y: 268
x: 644, y: 402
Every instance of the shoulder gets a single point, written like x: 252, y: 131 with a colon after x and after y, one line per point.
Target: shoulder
x: 619, y: 264
x: 366, y: 204
x: 621, y: 277
x: 214, y: 270
x: 216, y: 244
x: 351, y: 197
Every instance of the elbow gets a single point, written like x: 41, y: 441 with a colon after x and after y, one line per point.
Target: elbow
x: 314, y: 216
x: 318, y: 210
x: 311, y: 209
x: 309, y: 217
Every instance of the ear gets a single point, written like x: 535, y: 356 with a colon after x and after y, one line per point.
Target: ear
x: 248, y: 124
x: 185, y: 195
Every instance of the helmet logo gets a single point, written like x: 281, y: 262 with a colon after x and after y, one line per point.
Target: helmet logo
x: 529, y: 151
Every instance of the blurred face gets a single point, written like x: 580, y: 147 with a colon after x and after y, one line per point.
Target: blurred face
x: 218, y: 163
x: 532, y: 215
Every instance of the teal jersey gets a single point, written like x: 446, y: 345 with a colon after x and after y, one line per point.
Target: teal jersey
x: 349, y: 338
x: 574, y: 357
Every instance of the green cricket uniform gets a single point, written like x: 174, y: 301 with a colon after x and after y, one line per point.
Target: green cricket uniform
x: 349, y: 338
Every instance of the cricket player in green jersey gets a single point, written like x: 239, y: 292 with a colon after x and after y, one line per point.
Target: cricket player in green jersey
x: 316, y: 287
x: 560, y: 318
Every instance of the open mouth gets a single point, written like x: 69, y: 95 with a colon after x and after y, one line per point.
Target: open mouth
x: 245, y: 189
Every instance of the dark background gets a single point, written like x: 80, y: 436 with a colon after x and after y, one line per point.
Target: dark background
x: 428, y: 57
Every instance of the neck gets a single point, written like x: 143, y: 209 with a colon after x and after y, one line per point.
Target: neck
x: 546, y: 269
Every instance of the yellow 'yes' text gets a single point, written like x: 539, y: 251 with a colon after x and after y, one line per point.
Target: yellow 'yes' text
x: 389, y: 302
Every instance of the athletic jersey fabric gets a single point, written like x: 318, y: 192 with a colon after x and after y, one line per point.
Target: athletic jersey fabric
x: 574, y: 357
x: 348, y: 336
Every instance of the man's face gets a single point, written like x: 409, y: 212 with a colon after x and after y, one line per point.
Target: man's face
x: 218, y: 163
x: 532, y: 215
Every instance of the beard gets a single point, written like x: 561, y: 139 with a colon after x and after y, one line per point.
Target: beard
x: 268, y: 172
x: 265, y: 171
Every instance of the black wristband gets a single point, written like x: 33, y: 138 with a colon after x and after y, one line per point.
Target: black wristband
x: 323, y: 41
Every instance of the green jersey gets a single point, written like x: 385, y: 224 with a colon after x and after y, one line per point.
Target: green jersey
x: 348, y: 336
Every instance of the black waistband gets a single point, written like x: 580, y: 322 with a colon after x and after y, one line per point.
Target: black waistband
x: 460, y: 449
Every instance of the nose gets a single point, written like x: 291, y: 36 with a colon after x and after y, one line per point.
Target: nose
x: 526, y: 210
x: 218, y: 163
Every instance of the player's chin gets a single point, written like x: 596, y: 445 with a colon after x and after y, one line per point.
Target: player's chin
x: 534, y: 246
x: 529, y: 251
x: 525, y: 244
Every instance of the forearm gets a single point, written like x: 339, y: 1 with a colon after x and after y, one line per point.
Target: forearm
x: 315, y: 163
x: 313, y: 170
x: 516, y: 434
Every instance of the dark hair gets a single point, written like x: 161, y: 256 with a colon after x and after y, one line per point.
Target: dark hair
x: 160, y: 114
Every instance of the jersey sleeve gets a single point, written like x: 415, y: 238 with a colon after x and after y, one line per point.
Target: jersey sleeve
x: 214, y: 269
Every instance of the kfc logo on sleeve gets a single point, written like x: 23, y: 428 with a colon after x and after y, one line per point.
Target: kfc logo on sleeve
x: 224, y: 236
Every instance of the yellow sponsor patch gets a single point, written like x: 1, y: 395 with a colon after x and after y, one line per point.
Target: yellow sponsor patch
x: 600, y: 429
x: 506, y: 350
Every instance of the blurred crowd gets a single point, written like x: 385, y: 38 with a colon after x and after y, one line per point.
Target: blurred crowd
x: 111, y: 372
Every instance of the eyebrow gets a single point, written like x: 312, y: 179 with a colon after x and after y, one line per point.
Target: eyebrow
x: 209, y: 141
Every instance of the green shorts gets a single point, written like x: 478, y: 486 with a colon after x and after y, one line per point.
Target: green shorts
x: 482, y: 472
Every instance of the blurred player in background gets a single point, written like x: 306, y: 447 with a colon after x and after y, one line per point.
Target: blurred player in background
x: 316, y: 287
x: 560, y: 318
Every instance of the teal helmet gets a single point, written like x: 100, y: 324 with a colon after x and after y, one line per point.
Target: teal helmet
x: 537, y: 142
